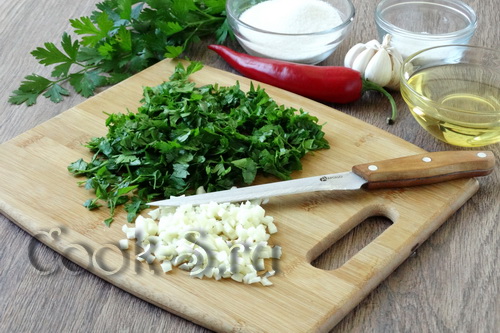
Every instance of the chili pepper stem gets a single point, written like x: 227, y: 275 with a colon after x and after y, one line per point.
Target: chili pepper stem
x: 367, y: 85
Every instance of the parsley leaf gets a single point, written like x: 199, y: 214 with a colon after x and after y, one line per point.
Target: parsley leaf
x: 21, y: 96
x: 55, y: 93
x: 51, y: 55
x: 94, y: 30
x: 86, y: 82
x: 119, y: 39
x: 32, y: 86
x: 173, y: 51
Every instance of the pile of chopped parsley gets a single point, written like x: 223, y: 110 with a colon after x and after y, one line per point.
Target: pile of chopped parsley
x: 184, y: 137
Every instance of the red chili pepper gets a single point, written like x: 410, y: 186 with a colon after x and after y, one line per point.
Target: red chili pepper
x: 332, y: 84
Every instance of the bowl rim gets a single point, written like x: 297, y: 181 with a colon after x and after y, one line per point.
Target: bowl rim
x: 404, y: 80
x: 344, y: 24
x: 466, y: 10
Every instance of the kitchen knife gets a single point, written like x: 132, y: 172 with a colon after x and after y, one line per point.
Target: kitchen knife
x: 421, y: 169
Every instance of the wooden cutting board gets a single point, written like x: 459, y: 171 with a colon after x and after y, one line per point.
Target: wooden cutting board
x: 41, y: 197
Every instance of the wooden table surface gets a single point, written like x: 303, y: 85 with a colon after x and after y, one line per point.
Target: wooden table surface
x: 451, y: 283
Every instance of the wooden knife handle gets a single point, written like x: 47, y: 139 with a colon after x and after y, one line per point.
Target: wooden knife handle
x: 425, y: 168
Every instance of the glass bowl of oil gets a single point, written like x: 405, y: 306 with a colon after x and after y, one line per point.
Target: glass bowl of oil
x: 453, y: 91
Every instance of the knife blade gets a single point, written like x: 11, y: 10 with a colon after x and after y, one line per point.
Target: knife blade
x: 420, y: 169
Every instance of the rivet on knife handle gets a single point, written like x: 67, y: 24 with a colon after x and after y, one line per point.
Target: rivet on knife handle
x: 427, y: 168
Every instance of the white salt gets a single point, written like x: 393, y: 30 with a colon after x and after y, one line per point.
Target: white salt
x: 291, y: 17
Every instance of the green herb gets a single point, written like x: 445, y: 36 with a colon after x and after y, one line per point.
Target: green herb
x: 119, y: 39
x: 184, y: 137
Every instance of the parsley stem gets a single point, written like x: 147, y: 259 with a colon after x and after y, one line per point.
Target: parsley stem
x: 67, y: 77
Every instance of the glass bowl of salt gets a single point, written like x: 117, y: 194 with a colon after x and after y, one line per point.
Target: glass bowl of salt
x: 302, y: 31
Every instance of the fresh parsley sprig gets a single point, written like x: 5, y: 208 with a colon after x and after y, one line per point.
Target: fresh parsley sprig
x: 184, y: 137
x: 119, y: 39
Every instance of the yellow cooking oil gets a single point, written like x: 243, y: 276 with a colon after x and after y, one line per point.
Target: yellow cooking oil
x: 460, y: 103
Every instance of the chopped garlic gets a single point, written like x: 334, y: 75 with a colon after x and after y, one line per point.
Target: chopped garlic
x: 277, y: 252
x: 123, y: 243
x: 166, y: 266
x: 270, y: 273
x: 237, y: 277
x: 272, y: 228
x: 214, y: 240
x: 265, y: 281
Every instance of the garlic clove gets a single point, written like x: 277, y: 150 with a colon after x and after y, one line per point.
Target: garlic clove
x: 353, y: 53
x: 396, y: 68
x: 379, y: 68
x: 373, y: 44
x: 363, y: 59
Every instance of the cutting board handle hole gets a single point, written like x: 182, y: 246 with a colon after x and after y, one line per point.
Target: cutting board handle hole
x: 351, y: 243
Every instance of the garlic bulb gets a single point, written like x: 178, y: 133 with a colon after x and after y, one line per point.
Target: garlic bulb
x: 378, y: 63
